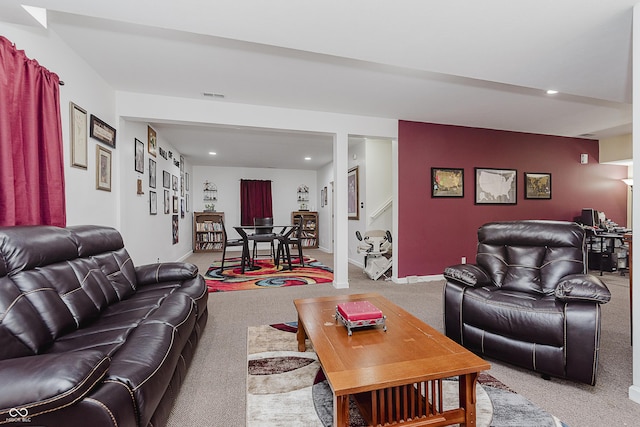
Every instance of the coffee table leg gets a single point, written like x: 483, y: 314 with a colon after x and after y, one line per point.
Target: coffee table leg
x: 467, y: 395
x: 341, y: 411
x: 302, y: 336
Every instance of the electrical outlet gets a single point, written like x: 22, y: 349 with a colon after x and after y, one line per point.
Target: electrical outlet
x: 464, y: 259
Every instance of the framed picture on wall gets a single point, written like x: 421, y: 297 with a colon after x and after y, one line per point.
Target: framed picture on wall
x: 174, y: 182
x: 495, y: 186
x: 78, y: 134
x: 447, y: 182
x: 153, y: 203
x: 152, y: 173
x: 353, y: 198
x: 167, y: 203
x: 103, y: 168
x: 152, y: 141
x: 175, y: 204
x: 537, y: 185
x: 102, y: 131
x: 139, y: 157
x: 166, y: 179
x: 174, y: 229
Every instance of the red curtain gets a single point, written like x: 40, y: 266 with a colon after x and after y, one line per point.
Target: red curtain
x: 255, y: 200
x: 31, y: 157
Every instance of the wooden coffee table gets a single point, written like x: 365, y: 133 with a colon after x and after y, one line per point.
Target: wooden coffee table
x: 395, y: 376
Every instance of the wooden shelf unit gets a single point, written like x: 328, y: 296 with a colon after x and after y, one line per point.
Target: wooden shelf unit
x: 207, y: 231
x: 310, y: 227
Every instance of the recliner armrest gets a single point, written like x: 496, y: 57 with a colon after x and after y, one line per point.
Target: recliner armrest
x: 165, y: 271
x: 582, y: 287
x: 33, y: 385
x: 467, y: 274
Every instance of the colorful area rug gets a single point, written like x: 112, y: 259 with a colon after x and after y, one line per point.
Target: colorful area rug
x: 266, y: 275
x: 287, y: 388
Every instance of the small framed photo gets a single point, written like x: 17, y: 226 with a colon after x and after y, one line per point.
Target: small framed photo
x: 153, y: 203
x: 103, y: 168
x: 353, y: 198
x: 152, y: 173
x: 102, y: 131
x: 175, y: 204
x: 537, y: 185
x: 166, y: 179
x: 78, y: 132
x: 167, y: 203
x: 495, y: 186
x: 139, y: 160
x: 447, y: 182
x: 152, y: 141
x: 174, y: 182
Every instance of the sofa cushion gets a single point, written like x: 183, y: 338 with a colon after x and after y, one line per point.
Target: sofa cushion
x: 27, y: 247
x: 43, y: 383
x: 22, y: 330
x: 582, y: 287
x: 531, y: 256
x: 512, y: 314
x: 469, y: 274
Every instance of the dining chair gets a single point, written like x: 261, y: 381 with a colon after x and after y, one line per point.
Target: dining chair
x: 234, y: 242
x: 263, y: 234
x: 292, y: 237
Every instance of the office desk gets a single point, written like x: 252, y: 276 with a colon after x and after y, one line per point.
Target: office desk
x: 241, y: 229
x: 606, y: 258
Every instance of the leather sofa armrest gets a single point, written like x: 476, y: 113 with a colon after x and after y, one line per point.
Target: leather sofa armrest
x: 467, y: 274
x: 582, y: 287
x: 165, y: 271
x: 33, y: 385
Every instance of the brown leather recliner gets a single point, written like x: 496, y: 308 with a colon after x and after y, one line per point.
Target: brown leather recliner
x: 528, y: 299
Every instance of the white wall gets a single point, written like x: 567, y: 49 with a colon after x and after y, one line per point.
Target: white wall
x: 158, y: 108
x: 378, y: 184
x: 86, y: 205
x: 149, y: 238
x: 373, y: 157
x: 325, y: 213
x: 284, y: 189
x: 84, y: 87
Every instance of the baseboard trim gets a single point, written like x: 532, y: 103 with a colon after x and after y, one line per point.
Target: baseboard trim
x: 634, y: 393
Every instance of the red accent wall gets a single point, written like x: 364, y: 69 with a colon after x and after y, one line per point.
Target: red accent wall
x: 436, y: 232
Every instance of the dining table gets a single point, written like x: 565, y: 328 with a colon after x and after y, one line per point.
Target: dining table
x: 282, y: 238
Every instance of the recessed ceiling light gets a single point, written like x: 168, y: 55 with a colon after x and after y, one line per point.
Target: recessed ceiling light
x: 212, y: 153
x: 552, y: 92
x: 307, y: 158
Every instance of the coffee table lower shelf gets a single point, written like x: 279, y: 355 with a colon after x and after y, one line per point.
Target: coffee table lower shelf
x: 418, y: 404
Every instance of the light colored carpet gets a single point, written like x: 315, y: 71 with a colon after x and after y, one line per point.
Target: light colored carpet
x: 214, y: 390
x: 285, y: 387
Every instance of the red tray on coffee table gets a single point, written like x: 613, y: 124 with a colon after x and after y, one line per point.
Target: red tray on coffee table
x: 359, y: 314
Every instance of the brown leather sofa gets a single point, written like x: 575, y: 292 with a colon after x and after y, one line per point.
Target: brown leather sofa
x: 528, y: 299
x: 86, y: 337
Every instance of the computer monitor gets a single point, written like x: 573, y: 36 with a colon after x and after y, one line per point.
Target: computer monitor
x: 590, y: 217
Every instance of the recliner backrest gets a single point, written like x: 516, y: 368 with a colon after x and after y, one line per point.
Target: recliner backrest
x: 531, y: 255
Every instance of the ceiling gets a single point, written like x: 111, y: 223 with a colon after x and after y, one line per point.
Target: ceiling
x: 482, y: 64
